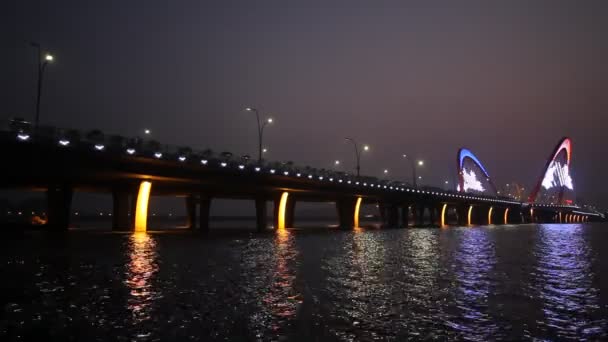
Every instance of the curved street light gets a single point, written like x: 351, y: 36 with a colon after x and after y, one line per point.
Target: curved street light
x: 357, y: 153
x: 261, y: 126
x: 42, y: 63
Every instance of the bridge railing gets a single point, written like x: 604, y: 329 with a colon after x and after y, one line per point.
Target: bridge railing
x: 96, y: 141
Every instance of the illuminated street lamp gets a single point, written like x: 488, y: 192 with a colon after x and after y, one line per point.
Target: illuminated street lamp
x: 357, y: 153
x: 419, y: 163
x: 147, y: 131
x: 42, y: 63
x: 261, y: 126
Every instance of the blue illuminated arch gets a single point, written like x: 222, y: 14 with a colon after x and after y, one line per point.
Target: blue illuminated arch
x: 464, y: 153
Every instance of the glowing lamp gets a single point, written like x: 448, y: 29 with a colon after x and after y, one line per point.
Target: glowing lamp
x: 99, y: 147
x: 131, y: 151
x: 158, y: 155
x: 23, y: 137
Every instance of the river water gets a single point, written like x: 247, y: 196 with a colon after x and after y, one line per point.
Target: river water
x: 519, y: 282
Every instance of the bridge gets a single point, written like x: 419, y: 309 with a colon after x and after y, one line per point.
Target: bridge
x: 61, y: 162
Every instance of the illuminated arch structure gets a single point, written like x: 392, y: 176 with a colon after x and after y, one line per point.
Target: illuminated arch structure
x: 472, y: 176
x: 555, y: 184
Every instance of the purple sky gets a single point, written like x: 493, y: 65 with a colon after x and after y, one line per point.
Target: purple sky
x: 424, y: 78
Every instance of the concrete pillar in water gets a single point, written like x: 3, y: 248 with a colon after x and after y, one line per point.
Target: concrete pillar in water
x: 191, y: 211
x: 462, y: 211
x: 405, y: 213
x: 280, y: 210
x: 432, y: 216
x: 382, y: 210
x: 59, y: 202
x: 260, y: 214
x: 290, y: 211
x: 204, y: 211
x: 141, y: 207
x: 348, y: 212
x: 392, y: 215
x: 123, y: 210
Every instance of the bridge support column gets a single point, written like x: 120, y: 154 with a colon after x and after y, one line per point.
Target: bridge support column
x: 348, y: 212
x: 191, y: 212
x: 405, y: 216
x: 261, y: 220
x: 392, y: 215
x: 141, y: 206
x: 419, y: 219
x: 290, y: 211
x: 280, y: 210
x: 383, y: 214
x: 443, y: 215
x: 432, y: 215
x: 122, y: 210
x: 59, y: 202
x: 462, y: 212
x: 203, y: 213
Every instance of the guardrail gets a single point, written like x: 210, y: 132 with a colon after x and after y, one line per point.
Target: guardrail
x: 96, y: 141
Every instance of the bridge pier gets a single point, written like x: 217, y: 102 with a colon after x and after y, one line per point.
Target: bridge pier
x: 443, y: 215
x: 122, y: 210
x: 281, y: 208
x: 203, y: 213
x: 392, y: 215
x: 261, y: 220
x: 419, y: 213
x: 432, y: 215
x: 405, y: 216
x: 59, y: 202
x: 190, y: 211
x: 290, y: 211
x: 348, y: 212
x: 382, y: 210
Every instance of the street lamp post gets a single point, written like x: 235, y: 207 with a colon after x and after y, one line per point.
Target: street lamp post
x: 357, y: 153
x: 42, y: 63
x: 261, y: 126
x: 420, y: 163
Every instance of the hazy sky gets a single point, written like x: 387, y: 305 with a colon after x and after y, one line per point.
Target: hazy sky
x: 506, y: 79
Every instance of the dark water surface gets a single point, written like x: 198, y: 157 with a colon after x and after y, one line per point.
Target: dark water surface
x: 512, y: 282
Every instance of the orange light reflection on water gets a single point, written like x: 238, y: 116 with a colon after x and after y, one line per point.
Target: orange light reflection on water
x: 282, y: 300
x: 140, y: 271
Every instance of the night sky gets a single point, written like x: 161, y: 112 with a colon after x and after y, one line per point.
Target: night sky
x: 506, y: 80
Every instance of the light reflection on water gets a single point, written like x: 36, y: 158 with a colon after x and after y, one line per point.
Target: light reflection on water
x: 270, y: 269
x: 474, y: 260
x: 139, y: 274
x: 564, y: 282
x: 519, y: 282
